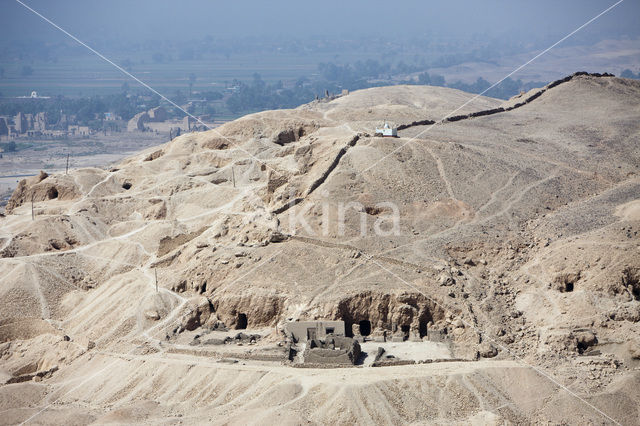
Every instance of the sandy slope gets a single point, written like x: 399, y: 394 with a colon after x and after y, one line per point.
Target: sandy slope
x: 499, y: 216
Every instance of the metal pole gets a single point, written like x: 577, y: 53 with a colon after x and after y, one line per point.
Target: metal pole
x: 33, y: 215
x: 156, y: 272
x: 67, y: 171
x: 233, y: 176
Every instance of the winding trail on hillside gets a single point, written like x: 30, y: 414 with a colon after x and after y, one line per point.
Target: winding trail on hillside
x: 442, y: 173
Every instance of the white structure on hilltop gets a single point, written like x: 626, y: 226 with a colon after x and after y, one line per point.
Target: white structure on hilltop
x: 34, y: 95
x: 387, y: 131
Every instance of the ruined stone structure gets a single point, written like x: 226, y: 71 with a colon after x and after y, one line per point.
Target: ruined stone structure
x: 157, y: 115
x: 379, y: 334
x: 332, y: 350
x: 4, y: 127
x: 40, y: 122
x: 20, y: 123
x: 137, y: 122
x: 385, y: 317
x: 357, y: 335
x: 79, y: 130
x: 187, y: 123
x: 302, y: 331
x: 28, y: 124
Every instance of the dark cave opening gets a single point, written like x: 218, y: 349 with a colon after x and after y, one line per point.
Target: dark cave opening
x: 365, y: 327
x: 52, y: 193
x: 241, y: 322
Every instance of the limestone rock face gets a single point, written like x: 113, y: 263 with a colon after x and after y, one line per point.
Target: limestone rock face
x: 199, y: 313
x: 42, y: 188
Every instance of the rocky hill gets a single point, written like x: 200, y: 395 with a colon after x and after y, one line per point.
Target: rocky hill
x: 510, y: 228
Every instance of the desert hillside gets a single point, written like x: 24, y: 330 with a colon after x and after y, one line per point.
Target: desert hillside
x: 507, y: 229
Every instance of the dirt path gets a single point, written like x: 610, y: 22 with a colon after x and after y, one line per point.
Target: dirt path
x: 441, y: 172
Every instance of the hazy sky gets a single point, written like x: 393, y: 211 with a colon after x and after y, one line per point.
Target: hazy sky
x: 164, y: 19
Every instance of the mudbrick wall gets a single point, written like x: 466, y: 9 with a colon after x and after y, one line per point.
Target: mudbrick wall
x: 499, y: 110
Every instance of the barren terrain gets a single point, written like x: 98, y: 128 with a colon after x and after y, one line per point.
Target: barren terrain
x: 517, y: 240
x: 51, y: 155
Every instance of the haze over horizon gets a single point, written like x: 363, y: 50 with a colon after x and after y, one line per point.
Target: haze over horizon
x: 142, y: 20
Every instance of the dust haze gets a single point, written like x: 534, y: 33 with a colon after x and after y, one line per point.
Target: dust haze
x: 142, y: 20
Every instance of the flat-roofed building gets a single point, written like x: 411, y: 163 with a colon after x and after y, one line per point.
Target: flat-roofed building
x: 302, y: 331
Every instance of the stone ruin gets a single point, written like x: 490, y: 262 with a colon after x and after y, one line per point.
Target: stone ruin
x: 383, y: 317
x: 332, y: 350
x: 303, y: 331
x: 413, y: 332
